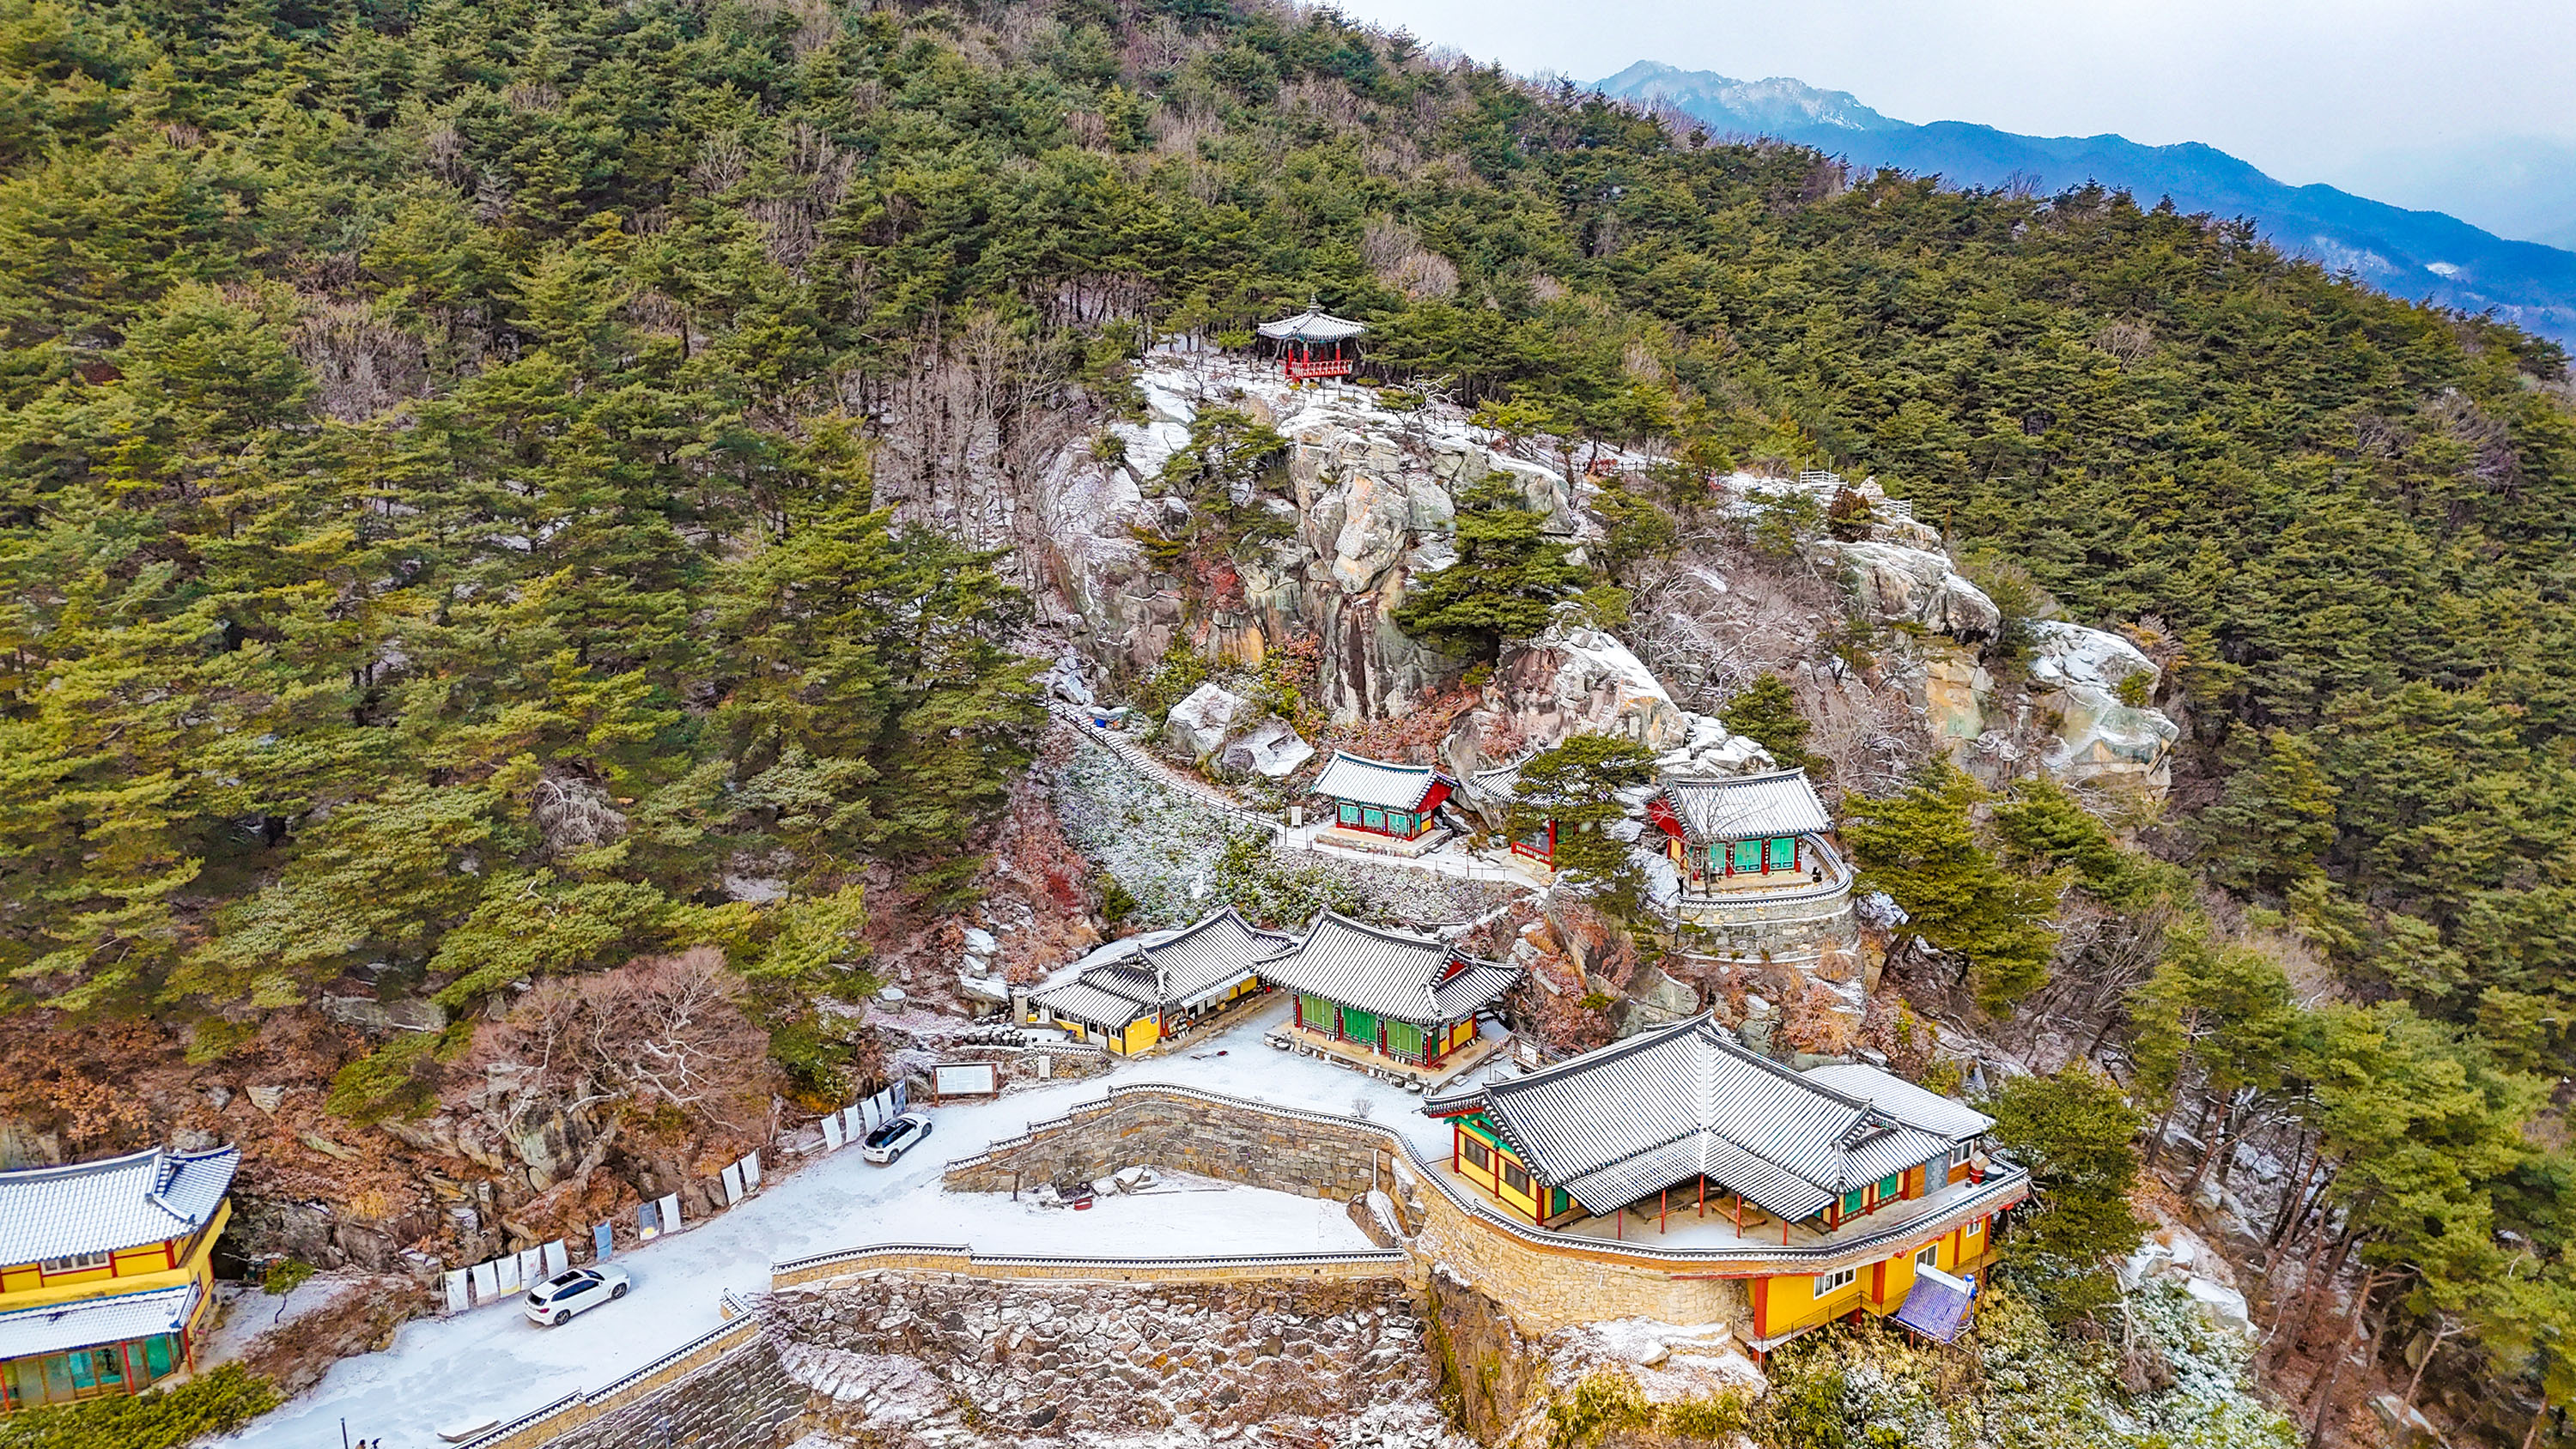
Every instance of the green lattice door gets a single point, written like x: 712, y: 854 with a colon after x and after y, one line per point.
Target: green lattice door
x: 1403, y: 1039
x: 1359, y: 1026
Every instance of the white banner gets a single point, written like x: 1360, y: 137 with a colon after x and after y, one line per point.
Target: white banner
x: 832, y: 1136
x: 751, y: 1172
x: 670, y: 1212
x: 506, y: 1270
x: 733, y: 1183
x: 487, y: 1282
x: 854, y: 1122
x: 532, y: 1266
x: 558, y: 1257
x: 457, y: 1301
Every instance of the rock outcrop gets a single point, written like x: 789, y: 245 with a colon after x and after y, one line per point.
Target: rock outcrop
x: 1576, y: 681
x: 1897, y: 584
x: 1366, y: 504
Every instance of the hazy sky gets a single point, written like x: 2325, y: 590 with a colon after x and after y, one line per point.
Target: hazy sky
x: 2305, y: 89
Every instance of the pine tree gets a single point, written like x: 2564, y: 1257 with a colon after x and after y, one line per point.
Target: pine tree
x: 1508, y: 578
x: 2075, y: 1134
x: 1922, y: 848
x: 1766, y: 712
x: 1576, y: 786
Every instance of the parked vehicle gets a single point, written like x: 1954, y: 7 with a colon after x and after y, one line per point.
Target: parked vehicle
x: 897, y: 1137
x: 578, y: 1290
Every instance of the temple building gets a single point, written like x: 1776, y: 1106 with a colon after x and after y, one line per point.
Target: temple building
x: 1134, y: 993
x: 106, y: 1272
x: 1732, y: 833
x: 1681, y: 1135
x: 1493, y: 793
x: 1313, y: 345
x: 1375, y: 798
x: 1387, y: 998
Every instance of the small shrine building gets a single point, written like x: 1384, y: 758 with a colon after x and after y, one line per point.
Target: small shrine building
x: 1682, y: 1135
x: 1134, y: 993
x: 1743, y: 832
x: 106, y: 1272
x: 1411, y: 1001
x: 1380, y: 798
x: 1314, y: 344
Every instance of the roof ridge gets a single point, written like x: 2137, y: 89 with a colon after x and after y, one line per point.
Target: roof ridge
x: 51, y: 1171
x: 1601, y: 1054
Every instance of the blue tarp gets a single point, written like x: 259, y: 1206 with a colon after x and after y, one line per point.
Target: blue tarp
x: 1937, y: 1305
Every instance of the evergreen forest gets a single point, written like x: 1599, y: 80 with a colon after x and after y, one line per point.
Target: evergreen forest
x: 472, y: 477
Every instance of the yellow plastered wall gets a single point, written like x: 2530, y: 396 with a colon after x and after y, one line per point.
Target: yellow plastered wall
x: 1790, y: 1302
x: 1525, y: 1204
x: 1141, y: 1033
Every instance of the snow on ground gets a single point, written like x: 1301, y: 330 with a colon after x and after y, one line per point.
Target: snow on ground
x: 493, y: 1363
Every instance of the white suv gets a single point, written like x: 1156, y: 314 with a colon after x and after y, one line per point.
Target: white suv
x: 896, y: 1137
x: 578, y: 1291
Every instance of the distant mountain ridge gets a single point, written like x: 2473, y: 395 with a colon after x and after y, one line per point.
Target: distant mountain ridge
x: 2415, y: 254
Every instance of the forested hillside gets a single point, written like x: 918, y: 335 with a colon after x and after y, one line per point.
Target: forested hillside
x: 478, y: 475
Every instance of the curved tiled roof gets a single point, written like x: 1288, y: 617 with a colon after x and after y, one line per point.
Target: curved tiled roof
x: 1748, y: 807
x: 1420, y: 979
x: 1614, y: 1124
x: 1170, y: 968
x: 1364, y: 781
x: 1901, y: 1099
x: 1312, y: 326
x: 118, y: 1202
x: 91, y: 1322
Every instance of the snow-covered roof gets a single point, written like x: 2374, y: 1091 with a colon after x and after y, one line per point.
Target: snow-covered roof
x: 1902, y: 1100
x: 94, y: 1322
x: 1617, y: 1123
x: 1090, y: 1004
x: 1164, y: 969
x: 1501, y: 783
x: 1747, y: 807
x: 119, y: 1202
x: 1418, y: 979
x: 1364, y: 781
x: 1312, y: 326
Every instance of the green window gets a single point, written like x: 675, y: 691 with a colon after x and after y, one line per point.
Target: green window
x: 1359, y: 1026
x: 1350, y: 813
x: 1404, y: 1039
x: 157, y: 1355
x: 1855, y: 1200
x: 1784, y: 853
x: 1887, y: 1185
x: 1314, y: 1012
x: 1748, y: 855
x: 1374, y: 819
x: 1399, y: 822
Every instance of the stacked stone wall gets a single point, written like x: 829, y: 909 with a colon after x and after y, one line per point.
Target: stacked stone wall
x: 1181, y: 1134
x: 904, y: 1358
x: 733, y: 1394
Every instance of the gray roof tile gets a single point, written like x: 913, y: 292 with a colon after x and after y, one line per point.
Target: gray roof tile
x: 1748, y: 807
x: 1364, y: 781
x: 118, y: 1202
x: 1420, y: 979
x: 93, y: 1322
x: 1616, y: 1123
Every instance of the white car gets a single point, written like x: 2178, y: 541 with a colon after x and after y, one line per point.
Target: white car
x: 896, y: 1138
x: 580, y: 1290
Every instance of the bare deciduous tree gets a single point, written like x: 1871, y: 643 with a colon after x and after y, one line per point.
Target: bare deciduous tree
x: 659, y: 1030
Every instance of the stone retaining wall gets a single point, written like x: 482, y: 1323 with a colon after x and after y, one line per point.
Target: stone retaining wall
x: 1181, y: 1134
x: 923, y: 1358
x: 726, y: 1392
